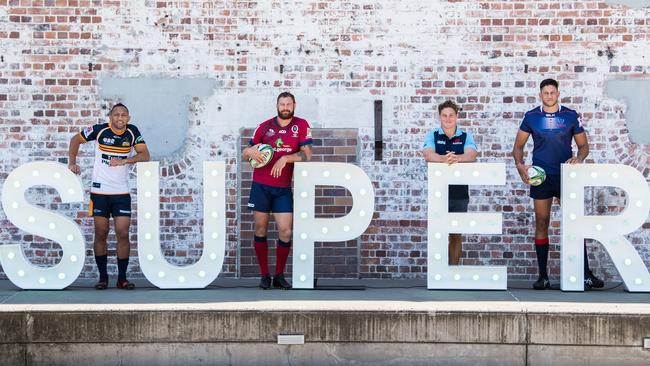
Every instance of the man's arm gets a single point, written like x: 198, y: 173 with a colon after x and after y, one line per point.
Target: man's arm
x: 303, y: 155
x: 142, y: 154
x: 430, y: 156
x: 518, y: 155
x: 583, y: 148
x: 73, y: 150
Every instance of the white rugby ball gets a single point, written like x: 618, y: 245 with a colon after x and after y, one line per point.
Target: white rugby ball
x: 267, y: 155
x: 536, y: 175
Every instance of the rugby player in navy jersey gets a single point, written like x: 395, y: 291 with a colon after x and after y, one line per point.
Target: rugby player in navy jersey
x: 271, y: 192
x: 553, y: 128
x: 119, y: 144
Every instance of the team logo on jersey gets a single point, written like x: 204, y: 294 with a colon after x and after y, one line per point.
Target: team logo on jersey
x: 279, y: 143
x: 126, y: 143
x: 87, y: 131
x: 579, y: 121
x: 295, y: 130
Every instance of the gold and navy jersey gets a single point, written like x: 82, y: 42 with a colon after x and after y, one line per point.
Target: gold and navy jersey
x: 111, y: 145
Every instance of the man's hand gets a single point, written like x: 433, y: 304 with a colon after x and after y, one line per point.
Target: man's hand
x: 255, y: 154
x: 74, y: 168
x: 523, y: 172
x: 278, y: 166
x: 117, y: 162
x: 452, y: 158
x: 574, y: 160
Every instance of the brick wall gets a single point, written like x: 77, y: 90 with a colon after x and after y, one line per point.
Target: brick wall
x: 488, y: 56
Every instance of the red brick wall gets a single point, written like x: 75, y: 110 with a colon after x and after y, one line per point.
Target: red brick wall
x: 332, y: 259
x: 488, y: 56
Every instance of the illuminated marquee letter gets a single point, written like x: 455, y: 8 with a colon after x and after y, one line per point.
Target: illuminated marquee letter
x: 608, y: 230
x: 154, y: 266
x: 44, y: 223
x: 307, y: 229
x: 440, y: 275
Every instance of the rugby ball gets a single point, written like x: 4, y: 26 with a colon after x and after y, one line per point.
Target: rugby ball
x: 536, y: 175
x: 267, y: 155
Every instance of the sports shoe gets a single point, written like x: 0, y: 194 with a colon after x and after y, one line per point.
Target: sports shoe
x: 265, y: 282
x: 125, y: 285
x: 280, y: 282
x: 592, y: 281
x: 101, y: 285
x: 541, y: 284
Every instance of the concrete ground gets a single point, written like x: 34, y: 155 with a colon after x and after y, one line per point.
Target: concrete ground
x: 395, y: 322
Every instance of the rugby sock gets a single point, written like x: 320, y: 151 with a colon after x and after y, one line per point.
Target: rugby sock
x: 541, y: 248
x: 122, y: 264
x: 262, y: 252
x: 101, y: 267
x: 281, y: 253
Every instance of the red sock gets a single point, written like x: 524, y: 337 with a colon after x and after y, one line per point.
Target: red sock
x: 262, y: 253
x: 282, y: 254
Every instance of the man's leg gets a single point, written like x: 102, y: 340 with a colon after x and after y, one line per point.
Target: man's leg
x: 260, y: 243
x: 455, y: 248
x: 99, y: 246
x: 542, y: 220
x: 284, y: 222
x: 122, y: 224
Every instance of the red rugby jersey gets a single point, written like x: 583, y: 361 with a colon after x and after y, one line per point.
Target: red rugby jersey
x: 285, y: 140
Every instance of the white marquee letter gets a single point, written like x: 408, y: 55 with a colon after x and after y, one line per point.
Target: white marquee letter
x: 608, y: 230
x: 440, y: 275
x: 307, y: 229
x: 154, y: 266
x: 44, y: 223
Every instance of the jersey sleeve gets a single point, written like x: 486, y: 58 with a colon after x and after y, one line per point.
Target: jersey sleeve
x: 429, y: 141
x: 469, y: 142
x: 305, y: 135
x: 525, y: 124
x: 90, y: 133
x: 257, y: 136
x: 577, y: 125
x: 137, y: 136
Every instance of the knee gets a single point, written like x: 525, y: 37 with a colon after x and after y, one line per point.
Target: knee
x: 260, y: 230
x: 285, y: 232
x: 101, y: 234
x: 122, y: 235
x: 541, y: 223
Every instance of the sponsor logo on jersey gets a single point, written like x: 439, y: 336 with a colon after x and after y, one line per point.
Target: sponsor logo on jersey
x: 125, y: 211
x: 283, y: 131
x: 139, y: 139
x: 87, y: 131
x: 308, y: 133
x: 270, y: 132
x: 108, y: 141
x: 279, y: 143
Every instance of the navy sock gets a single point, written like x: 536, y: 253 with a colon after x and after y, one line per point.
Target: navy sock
x: 122, y: 264
x: 541, y: 248
x: 101, y: 261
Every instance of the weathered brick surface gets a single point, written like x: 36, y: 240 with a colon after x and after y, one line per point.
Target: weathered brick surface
x: 486, y: 55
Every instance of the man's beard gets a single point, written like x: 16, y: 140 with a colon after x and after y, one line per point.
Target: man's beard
x: 285, y: 114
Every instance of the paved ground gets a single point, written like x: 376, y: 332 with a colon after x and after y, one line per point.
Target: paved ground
x: 397, y: 295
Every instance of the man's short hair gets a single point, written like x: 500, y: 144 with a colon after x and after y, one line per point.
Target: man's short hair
x: 118, y: 105
x: 286, y: 95
x: 547, y: 82
x: 448, y: 104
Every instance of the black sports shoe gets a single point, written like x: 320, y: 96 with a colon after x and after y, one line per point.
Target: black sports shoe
x: 265, y: 282
x: 592, y: 281
x: 280, y: 282
x: 541, y: 284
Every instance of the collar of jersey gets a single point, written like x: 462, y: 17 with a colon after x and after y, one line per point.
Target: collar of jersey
x: 442, y: 132
x: 275, y: 120
x: 116, y: 132
x: 559, y: 108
